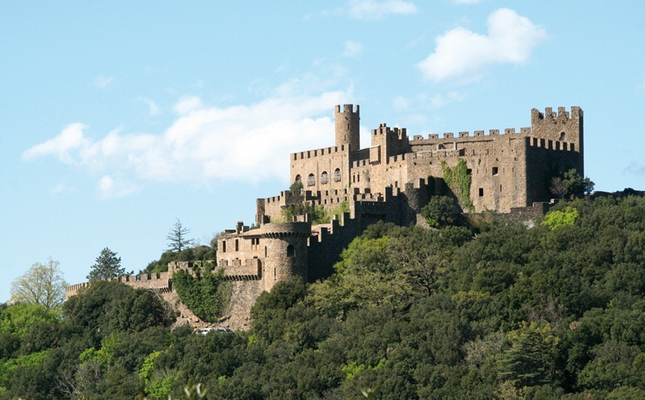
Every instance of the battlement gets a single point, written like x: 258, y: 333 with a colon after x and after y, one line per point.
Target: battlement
x: 325, y: 151
x: 383, y: 129
x: 560, y: 116
x: 450, y: 136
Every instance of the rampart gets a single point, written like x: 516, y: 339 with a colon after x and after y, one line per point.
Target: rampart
x: 509, y: 173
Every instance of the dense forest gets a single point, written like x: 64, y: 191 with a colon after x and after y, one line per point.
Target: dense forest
x: 483, y: 311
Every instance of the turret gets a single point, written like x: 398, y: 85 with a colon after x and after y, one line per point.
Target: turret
x: 348, y: 127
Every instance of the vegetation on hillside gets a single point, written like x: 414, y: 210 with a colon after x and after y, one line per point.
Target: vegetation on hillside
x: 556, y: 311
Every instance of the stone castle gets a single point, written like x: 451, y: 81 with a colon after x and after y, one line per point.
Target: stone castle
x: 509, y: 174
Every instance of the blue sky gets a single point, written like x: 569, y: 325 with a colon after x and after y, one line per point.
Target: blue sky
x: 118, y: 117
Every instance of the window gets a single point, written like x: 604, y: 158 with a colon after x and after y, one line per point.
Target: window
x: 562, y: 136
x: 223, y: 246
x: 337, y: 175
x: 324, y: 177
x: 291, y: 251
x: 495, y: 170
x: 481, y: 192
x: 265, y: 251
x: 298, y: 178
x: 311, y: 180
x: 237, y: 245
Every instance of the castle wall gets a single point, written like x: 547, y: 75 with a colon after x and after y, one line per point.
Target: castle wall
x: 321, y: 169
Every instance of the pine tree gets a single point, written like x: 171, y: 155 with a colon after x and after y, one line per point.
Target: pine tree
x: 107, y: 266
x: 177, y: 240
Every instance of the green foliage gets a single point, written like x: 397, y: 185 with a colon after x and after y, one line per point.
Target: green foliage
x: 158, y: 387
x: 439, y: 211
x: 205, y: 294
x: 555, y: 219
x: 458, y: 179
x: 14, y: 365
x: 42, y: 284
x: 571, y: 182
x: 411, y: 313
x: 19, y: 318
x: 296, y: 187
x: 532, y: 358
x: 197, y: 253
x: 107, y: 266
x: 177, y: 240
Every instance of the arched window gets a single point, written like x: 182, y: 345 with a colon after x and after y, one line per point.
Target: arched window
x: 298, y: 178
x: 311, y: 180
x: 337, y: 175
x: 324, y: 177
x: 291, y: 251
x: 562, y: 135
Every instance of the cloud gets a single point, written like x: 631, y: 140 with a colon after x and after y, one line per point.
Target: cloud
x: 71, y: 138
x: 400, y: 103
x: 153, y: 109
x: 463, y: 56
x: 109, y: 188
x: 372, y: 9
x: 187, y: 103
x: 101, y: 82
x: 439, y: 100
x: 635, y: 169
x: 352, y: 48
x: 204, y: 143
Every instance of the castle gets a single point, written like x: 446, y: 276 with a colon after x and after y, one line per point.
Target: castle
x: 508, y: 172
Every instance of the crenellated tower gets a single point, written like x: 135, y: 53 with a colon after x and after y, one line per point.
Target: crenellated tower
x: 561, y: 127
x: 348, y: 127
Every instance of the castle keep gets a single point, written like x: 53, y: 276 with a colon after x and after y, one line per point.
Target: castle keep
x: 392, y: 180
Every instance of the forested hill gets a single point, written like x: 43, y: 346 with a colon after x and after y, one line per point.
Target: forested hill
x: 501, y: 311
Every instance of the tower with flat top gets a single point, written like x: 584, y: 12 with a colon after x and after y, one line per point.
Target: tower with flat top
x: 348, y: 127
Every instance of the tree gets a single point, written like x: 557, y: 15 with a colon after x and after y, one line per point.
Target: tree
x: 42, y: 284
x: 439, y: 211
x: 107, y: 266
x: 177, y: 240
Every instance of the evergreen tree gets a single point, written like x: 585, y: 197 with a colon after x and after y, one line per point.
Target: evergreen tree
x: 107, y: 266
x: 177, y: 240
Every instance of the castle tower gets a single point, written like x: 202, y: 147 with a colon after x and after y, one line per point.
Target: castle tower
x: 348, y: 127
x: 286, y: 251
x: 560, y: 127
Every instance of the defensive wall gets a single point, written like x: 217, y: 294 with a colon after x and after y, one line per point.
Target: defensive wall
x: 507, y: 169
x: 389, y: 181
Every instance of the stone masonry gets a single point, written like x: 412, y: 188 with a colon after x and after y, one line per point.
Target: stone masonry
x: 390, y: 181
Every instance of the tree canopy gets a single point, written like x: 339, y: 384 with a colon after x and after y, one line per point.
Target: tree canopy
x: 106, y: 266
x: 554, y: 311
x: 177, y: 237
x: 42, y: 284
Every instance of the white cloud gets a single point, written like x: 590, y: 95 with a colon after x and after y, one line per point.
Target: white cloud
x: 153, y: 109
x: 57, y: 189
x: 373, y: 9
x: 204, y: 143
x: 187, y: 103
x: 101, y: 82
x: 400, y: 103
x: 439, y: 100
x: 110, y: 188
x: 352, y: 48
x: 71, y: 138
x: 463, y: 56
